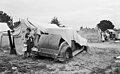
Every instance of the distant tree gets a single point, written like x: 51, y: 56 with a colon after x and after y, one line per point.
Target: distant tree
x: 105, y: 24
x: 55, y: 21
x: 4, y: 18
x: 81, y: 27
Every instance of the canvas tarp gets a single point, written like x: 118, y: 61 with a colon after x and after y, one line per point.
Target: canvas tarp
x: 19, y: 45
x: 4, y: 39
x: 19, y: 35
x: 119, y: 36
x: 4, y: 27
x: 68, y: 34
x: 43, y: 26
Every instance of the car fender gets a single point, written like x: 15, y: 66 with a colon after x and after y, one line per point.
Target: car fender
x: 49, y: 44
x: 63, y: 50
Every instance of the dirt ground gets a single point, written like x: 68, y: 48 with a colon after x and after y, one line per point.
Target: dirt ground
x: 98, y: 60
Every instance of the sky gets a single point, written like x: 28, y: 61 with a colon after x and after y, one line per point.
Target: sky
x: 72, y: 13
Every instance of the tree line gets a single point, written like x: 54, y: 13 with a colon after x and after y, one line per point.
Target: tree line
x: 103, y: 25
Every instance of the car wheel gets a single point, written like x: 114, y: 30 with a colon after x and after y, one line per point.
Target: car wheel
x: 67, y: 55
x: 65, y: 52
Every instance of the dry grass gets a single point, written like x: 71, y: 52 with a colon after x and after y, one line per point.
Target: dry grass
x: 91, y: 35
x: 97, y: 61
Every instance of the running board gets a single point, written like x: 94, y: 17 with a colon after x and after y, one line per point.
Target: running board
x: 77, y: 51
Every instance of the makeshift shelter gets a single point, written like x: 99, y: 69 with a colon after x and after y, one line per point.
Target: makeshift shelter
x: 71, y: 35
x: 119, y: 36
x: 54, y: 29
x: 4, y: 39
x: 43, y: 26
x: 20, y: 30
x: 19, y: 35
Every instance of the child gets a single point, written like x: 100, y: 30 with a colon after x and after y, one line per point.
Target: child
x: 29, y: 41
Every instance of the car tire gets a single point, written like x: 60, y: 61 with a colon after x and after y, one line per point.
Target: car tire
x: 65, y: 52
x: 67, y: 55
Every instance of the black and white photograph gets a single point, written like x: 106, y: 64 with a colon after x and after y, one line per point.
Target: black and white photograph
x: 59, y: 36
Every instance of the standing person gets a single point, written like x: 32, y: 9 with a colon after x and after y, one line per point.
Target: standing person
x: 29, y: 41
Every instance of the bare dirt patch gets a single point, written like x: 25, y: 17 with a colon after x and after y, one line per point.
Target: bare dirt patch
x: 97, y: 61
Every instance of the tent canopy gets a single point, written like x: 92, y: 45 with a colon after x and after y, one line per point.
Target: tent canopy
x: 22, y: 27
x: 19, y: 34
x: 24, y: 23
x: 4, y: 27
x: 43, y: 26
x: 33, y: 25
x: 4, y: 39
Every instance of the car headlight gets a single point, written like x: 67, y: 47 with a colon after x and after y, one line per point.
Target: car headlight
x: 34, y: 49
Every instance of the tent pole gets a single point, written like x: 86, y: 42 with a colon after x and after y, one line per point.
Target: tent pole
x: 1, y: 41
x: 10, y: 40
x: 14, y: 50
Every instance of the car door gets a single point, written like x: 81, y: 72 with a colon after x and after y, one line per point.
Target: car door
x: 43, y: 41
x: 54, y: 40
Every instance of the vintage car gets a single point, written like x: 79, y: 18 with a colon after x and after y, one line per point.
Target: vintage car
x: 59, y: 43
